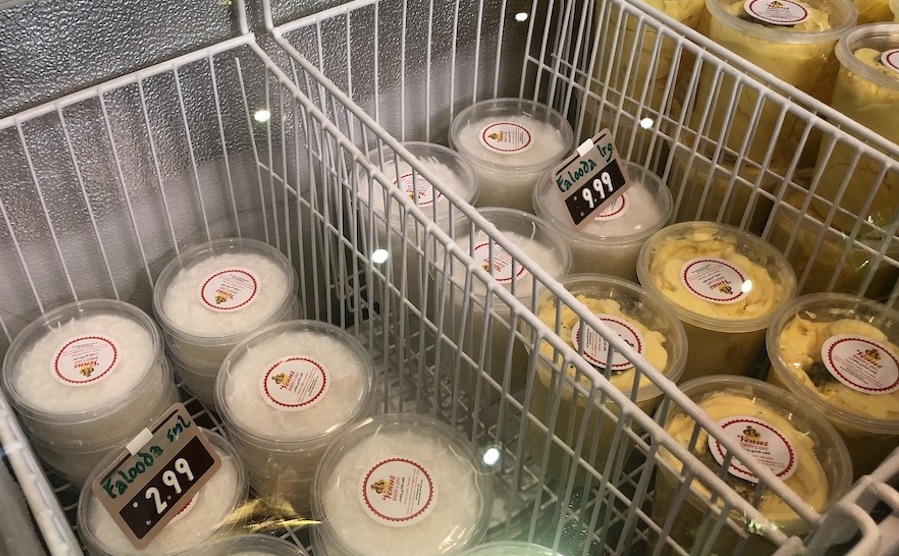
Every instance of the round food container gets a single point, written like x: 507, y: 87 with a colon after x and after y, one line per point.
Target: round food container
x: 285, y: 393
x: 252, y: 545
x: 212, y: 296
x: 466, y: 311
x: 792, y: 40
x: 511, y: 143
x: 723, y: 191
x: 824, y: 250
x: 642, y: 321
x: 86, y: 372
x: 794, y: 441
x: 455, y: 174
x: 894, y: 7
x: 611, y: 242
x: 509, y: 548
x: 873, y: 11
x: 839, y: 354
x: 867, y: 91
x: 400, y: 484
x: 75, y: 461
x: 724, y: 284
x: 204, y: 519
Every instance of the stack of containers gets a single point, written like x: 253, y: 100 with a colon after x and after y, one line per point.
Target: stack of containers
x: 214, y: 295
x: 85, y: 378
x: 285, y: 393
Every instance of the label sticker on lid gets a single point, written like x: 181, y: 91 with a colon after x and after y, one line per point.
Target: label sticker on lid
x: 85, y: 360
x: 502, y: 262
x: 890, y: 59
x: 715, y: 280
x: 229, y: 289
x: 776, y: 12
x: 397, y: 492
x: 506, y: 138
x: 617, y: 209
x: 769, y: 446
x: 596, y: 348
x: 419, y: 190
x: 294, y: 383
x: 186, y: 509
x: 863, y: 364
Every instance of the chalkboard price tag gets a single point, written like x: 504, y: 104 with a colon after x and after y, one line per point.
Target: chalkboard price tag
x: 590, y: 180
x: 156, y: 476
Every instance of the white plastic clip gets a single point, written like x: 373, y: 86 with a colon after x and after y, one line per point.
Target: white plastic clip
x: 139, y: 441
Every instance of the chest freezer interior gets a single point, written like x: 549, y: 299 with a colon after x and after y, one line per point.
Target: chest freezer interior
x: 106, y: 185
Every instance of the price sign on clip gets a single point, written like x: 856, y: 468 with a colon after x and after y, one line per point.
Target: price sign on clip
x: 591, y: 179
x: 156, y: 476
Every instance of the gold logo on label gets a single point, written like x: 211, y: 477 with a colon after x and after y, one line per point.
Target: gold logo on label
x: 280, y: 379
x: 86, y: 369
x: 750, y: 432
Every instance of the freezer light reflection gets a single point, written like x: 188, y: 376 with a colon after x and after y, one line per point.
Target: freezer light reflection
x: 746, y: 287
x: 646, y: 123
x: 491, y: 456
x: 262, y: 116
x: 380, y: 256
x: 521, y: 17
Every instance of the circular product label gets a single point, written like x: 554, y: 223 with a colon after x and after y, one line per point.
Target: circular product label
x: 776, y: 12
x: 506, y: 138
x: 596, y: 348
x: 715, y: 280
x: 229, y: 289
x: 420, y: 188
x: 769, y: 446
x: 617, y: 209
x: 85, y: 360
x: 862, y: 364
x: 502, y: 262
x: 397, y: 492
x: 890, y: 59
x: 185, y: 510
x: 294, y: 383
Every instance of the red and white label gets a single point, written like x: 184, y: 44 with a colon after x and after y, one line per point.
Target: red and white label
x: 617, y: 209
x: 596, y: 348
x: 862, y: 364
x: 294, y: 383
x: 501, y: 265
x: 890, y: 59
x: 506, y: 138
x: 715, y: 280
x: 419, y: 190
x: 185, y: 510
x: 769, y: 446
x: 85, y: 360
x: 777, y: 12
x: 397, y: 492
x: 229, y: 289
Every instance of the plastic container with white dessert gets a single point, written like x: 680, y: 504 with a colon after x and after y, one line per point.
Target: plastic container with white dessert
x: 787, y: 436
x: 252, y: 545
x: 400, y: 484
x: 511, y: 143
x: 211, y: 296
x: 643, y: 322
x: 209, y: 516
x: 839, y: 354
x: 85, y: 378
x: 509, y: 548
x: 610, y: 244
x: 285, y: 393
x: 724, y: 284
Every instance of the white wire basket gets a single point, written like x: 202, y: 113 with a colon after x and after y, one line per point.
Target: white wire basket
x: 104, y: 186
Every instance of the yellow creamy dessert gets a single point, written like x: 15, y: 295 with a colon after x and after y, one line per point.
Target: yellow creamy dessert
x: 839, y: 353
x: 787, y: 439
x: 641, y: 322
x: 867, y: 91
x: 724, y: 284
x: 872, y: 11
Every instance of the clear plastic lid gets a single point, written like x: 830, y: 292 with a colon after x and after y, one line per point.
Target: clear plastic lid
x: 794, y: 442
x: 509, y: 548
x: 871, y: 51
x: 511, y: 134
x: 716, y: 276
x: 295, y: 384
x: 839, y: 353
x: 213, y: 293
x: 639, y: 212
x: 785, y: 21
x: 529, y: 233
x: 411, y: 482
x: 454, y: 173
x: 209, y: 515
x: 83, y: 362
x: 252, y: 545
